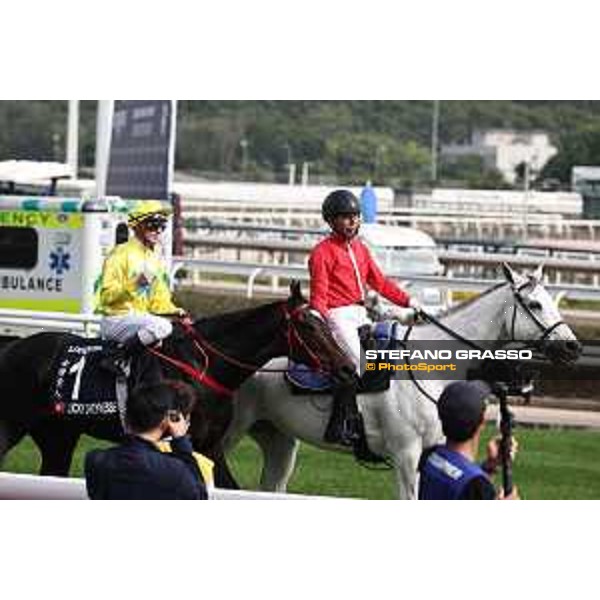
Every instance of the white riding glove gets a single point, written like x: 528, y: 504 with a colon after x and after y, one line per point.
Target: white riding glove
x: 416, y: 307
x: 414, y: 303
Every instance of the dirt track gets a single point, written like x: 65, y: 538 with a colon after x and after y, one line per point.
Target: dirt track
x: 537, y: 416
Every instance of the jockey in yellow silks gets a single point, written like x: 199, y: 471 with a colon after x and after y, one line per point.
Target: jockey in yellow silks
x: 133, y: 290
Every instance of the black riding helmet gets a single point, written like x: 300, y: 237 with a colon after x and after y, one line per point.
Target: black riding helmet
x: 340, y: 202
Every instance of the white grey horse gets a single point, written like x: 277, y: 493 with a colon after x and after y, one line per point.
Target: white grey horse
x: 400, y: 422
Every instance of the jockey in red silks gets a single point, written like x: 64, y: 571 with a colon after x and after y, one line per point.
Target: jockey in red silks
x: 341, y: 267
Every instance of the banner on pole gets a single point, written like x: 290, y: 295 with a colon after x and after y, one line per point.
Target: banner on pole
x: 141, y: 149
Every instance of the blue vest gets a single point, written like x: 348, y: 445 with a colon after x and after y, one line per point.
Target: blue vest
x: 445, y: 475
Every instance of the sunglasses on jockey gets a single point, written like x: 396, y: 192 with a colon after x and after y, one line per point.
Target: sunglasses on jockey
x: 156, y: 223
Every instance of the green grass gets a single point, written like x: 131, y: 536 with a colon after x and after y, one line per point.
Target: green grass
x: 558, y: 464
x: 552, y: 464
x: 580, y: 304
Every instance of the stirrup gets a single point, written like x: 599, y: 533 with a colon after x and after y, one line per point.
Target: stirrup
x: 345, y: 433
x: 360, y: 448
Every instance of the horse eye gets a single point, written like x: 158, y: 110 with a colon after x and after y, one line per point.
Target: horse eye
x: 535, y: 305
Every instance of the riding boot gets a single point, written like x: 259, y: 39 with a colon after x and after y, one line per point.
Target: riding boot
x: 116, y: 359
x: 344, y: 424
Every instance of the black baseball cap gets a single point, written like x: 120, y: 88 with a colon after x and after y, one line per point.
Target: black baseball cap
x: 461, y: 408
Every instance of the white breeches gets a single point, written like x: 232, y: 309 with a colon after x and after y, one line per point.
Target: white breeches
x: 344, y: 322
x: 149, y: 328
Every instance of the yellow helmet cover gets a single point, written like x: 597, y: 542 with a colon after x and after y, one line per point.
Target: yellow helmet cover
x: 144, y: 209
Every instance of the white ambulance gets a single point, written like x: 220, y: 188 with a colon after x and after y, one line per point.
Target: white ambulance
x: 52, y: 249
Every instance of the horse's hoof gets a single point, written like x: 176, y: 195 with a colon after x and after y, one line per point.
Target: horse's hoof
x: 363, y: 454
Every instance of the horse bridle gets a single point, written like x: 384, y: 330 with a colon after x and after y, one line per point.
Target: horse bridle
x: 546, y: 331
x: 292, y: 336
x: 202, y: 345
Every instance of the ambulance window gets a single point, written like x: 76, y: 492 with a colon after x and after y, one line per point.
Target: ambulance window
x: 122, y: 234
x: 18, y: 247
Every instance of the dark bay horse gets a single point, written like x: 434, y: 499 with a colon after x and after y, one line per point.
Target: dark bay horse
x: 218, y: 353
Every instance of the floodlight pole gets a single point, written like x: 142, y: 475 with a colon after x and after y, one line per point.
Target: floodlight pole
x: 171, y: 167
x: 434, y: 140
x: 73, y: 137
x: 103, y: 134
x: 526, y: 201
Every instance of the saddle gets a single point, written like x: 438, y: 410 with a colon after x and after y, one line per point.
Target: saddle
x: 83, y: 389
x: 380, y: 336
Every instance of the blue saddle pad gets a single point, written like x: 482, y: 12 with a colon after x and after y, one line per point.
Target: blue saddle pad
x: 304, y: 377
x: 384, y: 331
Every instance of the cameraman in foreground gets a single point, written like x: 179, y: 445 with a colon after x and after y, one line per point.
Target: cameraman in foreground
x: 449, y: 471
x: 138, y: 469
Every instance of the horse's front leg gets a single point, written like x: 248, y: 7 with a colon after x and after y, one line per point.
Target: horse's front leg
x: 10, y: 435
x: 406, y: 461
x: 279, y: 456
x: 210, y: 421
x: 56, y: 444
x: 224, y: 478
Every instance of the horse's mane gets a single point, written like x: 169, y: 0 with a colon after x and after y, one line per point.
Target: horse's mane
x: 470, y: 301
x: 220, y: 325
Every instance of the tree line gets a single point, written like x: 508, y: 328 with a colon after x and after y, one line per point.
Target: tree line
x: 388, y: 142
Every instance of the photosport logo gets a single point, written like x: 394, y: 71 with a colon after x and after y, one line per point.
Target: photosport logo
x: 492, y: 361
x: 438, y: 361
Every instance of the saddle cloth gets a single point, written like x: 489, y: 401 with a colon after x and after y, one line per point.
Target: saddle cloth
x: 304, y: 380
x: 84, y: 390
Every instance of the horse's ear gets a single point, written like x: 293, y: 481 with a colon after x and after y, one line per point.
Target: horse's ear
x: 538, y: 273
x: 296, y: 290
x: 509, y: 273
x: 558, y: 297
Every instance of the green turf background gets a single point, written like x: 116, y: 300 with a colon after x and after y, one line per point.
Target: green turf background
x: 552, y: 464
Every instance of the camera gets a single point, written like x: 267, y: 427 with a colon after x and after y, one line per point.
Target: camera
x: 506, y: 378
x: 174, y: 416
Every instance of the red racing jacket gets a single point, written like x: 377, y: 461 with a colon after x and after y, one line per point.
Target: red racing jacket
x: 333, y: 279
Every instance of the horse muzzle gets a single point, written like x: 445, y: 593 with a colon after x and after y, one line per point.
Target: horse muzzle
x: 562, y: 351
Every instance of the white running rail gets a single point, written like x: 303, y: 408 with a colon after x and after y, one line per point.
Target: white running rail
x: 14, y: 486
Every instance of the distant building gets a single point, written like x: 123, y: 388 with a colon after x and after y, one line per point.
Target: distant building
x: 586, y: 181
x: 505, y: 149
x: 500, y: 202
